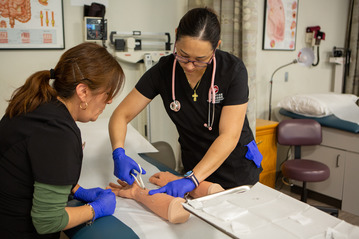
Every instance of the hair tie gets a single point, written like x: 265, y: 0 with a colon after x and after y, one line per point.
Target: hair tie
x: 52, y: 73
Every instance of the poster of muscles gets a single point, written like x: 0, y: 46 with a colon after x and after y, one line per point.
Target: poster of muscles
x: 31, y: 24
x: 280, y: 24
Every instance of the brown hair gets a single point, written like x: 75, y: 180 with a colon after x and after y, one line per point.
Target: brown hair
x: 87, y: 63
x: 200, y: 23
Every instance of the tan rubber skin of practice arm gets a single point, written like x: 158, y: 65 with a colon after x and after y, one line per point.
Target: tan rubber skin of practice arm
x: 164, y: 205
x: 204, y: 188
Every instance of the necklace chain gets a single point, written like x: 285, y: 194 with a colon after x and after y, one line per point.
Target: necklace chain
x: 195, y: 96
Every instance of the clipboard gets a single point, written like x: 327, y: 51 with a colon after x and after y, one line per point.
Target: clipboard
x: 259, y: 211
x: 194, y: 206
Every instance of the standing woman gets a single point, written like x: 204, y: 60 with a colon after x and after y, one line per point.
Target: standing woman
x: 41, y: 146
x: 205, y: 93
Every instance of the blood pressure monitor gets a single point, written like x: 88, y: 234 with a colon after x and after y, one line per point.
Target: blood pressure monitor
x: 95, y: 28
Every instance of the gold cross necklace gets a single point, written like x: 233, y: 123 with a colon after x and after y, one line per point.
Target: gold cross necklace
x: 195, y: 96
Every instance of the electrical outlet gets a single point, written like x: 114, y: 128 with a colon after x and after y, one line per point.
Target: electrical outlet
x: 309, y: 37
x: 286, y: 76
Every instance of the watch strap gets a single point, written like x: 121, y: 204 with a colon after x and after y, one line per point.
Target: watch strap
x: 190, y: 175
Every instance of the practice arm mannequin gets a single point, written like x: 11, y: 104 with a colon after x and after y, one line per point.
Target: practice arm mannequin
x: 165, y: 206
x: 204, y: 188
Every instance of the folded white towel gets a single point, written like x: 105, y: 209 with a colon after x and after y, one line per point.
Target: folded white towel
x: 225, y: 211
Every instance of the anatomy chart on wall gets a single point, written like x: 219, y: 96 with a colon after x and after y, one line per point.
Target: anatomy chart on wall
x: 31, y: 24
x: 280, y: 24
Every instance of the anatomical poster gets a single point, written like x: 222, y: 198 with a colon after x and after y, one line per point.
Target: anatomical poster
x: 31, y: 24
x: 280, y: 24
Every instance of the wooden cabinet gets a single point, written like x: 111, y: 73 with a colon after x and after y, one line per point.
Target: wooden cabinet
x: 266, y: 139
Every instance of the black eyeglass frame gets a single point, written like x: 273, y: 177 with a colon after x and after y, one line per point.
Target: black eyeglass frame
x: 184, y: 60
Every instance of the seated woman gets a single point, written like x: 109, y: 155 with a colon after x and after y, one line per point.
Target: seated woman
x: 164, y: 205
x: 41, y: 147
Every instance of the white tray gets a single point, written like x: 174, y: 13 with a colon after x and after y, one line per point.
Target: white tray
x: 225, y: 227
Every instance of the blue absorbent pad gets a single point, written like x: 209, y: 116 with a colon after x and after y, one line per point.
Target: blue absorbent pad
x: 108, y: 227
x: 329, y: 121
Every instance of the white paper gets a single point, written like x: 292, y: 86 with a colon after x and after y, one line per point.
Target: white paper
x: 266, y: 213
x: 225, y: 211
x: 97, y: 165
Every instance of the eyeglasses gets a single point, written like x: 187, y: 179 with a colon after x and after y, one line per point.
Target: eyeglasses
x: 185, y: 60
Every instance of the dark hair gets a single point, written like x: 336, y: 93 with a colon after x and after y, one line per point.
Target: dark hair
x: 201, y: 23
x: 87, y: 63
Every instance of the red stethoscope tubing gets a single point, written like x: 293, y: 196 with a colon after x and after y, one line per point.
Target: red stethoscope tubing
x: 176, y: 105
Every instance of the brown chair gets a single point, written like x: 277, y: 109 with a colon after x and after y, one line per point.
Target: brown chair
x: 297, y: 133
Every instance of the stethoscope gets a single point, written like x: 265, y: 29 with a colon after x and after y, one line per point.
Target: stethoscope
x: 176, y: 105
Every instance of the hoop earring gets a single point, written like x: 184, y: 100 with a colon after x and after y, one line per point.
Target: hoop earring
x: 83, y: 107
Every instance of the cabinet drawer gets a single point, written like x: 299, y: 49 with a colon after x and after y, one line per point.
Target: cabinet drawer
x: 268, y: 148
x: 340, y: 139
x: 268, y: 178
x: 351, y: 179
x: 267, y: 144
x: 335, y: 160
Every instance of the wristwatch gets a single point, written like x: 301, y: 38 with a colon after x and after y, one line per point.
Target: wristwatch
x: 191, y: 176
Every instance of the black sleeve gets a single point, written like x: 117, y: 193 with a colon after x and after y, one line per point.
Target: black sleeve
x: 147, y: 85
x: 55, y: 155
x: 154, y: 80
x: 238, y: 91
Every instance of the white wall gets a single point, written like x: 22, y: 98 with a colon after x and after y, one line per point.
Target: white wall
x: 163, y: 16
x: 331, y: 16
x: 122, y: 15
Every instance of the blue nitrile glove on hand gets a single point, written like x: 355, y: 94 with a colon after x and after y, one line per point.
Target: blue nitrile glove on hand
x: 124, y: 166
x: 87, y: 195
x: 105, y: 204
x: 254, y: 154
x: 177, y: 188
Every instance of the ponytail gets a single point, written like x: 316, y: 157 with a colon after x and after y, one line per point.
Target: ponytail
x: 35, y: 91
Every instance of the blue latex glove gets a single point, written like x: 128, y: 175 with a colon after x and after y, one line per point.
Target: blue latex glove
x: 254, y: 154
x: 124, y: 166
x: 177, y: 188
x: 87, y: 195
x: 105, y: 204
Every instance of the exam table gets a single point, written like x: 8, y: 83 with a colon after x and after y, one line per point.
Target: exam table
x: 132, y: 220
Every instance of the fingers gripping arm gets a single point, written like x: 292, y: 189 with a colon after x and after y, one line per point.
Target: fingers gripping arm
x: 203, y: 189
x: 163, y: 205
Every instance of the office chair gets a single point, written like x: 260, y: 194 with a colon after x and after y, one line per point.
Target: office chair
x: 164, y: 155
x: 297, y: 133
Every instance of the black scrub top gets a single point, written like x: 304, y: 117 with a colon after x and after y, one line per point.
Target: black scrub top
x: 231, y: 86
x: 43, y: 146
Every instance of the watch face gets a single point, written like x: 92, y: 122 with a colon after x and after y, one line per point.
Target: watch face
x: 188, y: 173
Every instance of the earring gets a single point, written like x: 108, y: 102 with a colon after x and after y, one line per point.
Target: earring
x: 83, y: 105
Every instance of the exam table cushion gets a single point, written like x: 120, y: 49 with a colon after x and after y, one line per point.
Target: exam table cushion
x: 329, y: 121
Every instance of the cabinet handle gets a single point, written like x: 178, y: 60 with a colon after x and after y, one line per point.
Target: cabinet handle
x: 259, y: 142
x: 337, y: 164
